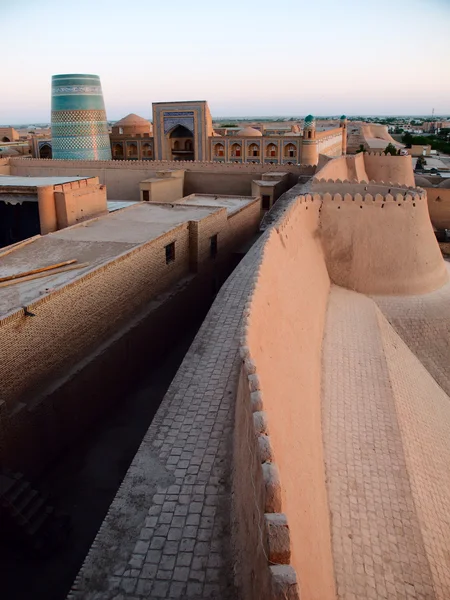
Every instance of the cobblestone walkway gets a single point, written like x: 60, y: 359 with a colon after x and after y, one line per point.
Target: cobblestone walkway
x: 377, y: 540
x: 167, y: 532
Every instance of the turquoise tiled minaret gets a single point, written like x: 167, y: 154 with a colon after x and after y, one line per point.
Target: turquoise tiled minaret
x: 79, y: 127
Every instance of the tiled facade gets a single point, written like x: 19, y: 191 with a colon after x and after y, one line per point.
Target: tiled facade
x: 79, y: 127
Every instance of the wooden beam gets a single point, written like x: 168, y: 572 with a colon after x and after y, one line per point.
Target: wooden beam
x: 44, y: 274
x: 39, y: 270
x: 18, y: 245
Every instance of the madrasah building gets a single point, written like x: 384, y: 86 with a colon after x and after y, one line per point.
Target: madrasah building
x: 183, y: 131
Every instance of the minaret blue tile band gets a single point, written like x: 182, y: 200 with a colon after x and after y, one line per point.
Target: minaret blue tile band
x: 79, y: 127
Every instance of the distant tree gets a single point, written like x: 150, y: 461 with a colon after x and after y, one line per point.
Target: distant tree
x: 399, y: 129
x: 390, y: 149
x: 407, y: 139
x: 444, y: 133
x: 421, y: 162
x: 361, y: 149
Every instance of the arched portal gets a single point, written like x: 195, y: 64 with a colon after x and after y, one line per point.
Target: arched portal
x: 5, y: 139
x: 45, y: 151
x: 181, y: 143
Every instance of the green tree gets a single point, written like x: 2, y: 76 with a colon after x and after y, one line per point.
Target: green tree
x: 361, y: 148
x: 421, y: 162
x: 407, y: 139
x: 390, y: 149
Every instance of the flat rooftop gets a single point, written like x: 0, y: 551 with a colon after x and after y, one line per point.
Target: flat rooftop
x: 233, y: 204
x: 18, y: 181
x: 97, y: 242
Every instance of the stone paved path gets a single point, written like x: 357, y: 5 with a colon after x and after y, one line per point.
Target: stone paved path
x: 167, y: 532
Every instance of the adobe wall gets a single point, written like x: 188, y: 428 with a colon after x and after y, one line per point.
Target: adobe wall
x: 283, y: 339
x: 330, y: 142
x: 381, y: 244
x: 79, y: 200
x: 345, y: 167
x: 4, y: 166
x: 394, y: 169
x: 439, y: 207
x: 122, y: 178
x: 73, y: 319
x: 164, y: 190
x: 369, y: 167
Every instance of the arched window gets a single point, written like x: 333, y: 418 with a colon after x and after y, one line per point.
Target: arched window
x: 188, y: 145
x: 290, y: 151
x: 235, y: 150
x: 118, y: 151
x: 219, y: 149
x: 271, y: 150
x: 120, y: 130
x: 147, y: 150
x: 253, y: 150
x: 176, y: 145
x: 132, y: 150
x: 309, y: 134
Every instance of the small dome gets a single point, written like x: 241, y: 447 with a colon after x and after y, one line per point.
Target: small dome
x: 422, y: 181
x: 445, y: 184
x: 343, y: 118
x: 309, y: 119
x: 131, y: 120
x: 250, y: 132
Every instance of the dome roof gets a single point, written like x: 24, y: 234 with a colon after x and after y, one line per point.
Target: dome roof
x: 131, y: 120
x: 445, y: 184
x: 250, y: 132
x: 343, y: 118
x: 422, y: 181
x: 309, y: 119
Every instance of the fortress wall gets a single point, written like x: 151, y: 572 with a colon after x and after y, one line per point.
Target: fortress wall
x: 395, y: 169
x: 330, y: 142
x: 122, y: 178
x: 370, y: 167
x: 439, y: 207
x: 283, y: 341
x: 349, y: 168
x: 381, y: 244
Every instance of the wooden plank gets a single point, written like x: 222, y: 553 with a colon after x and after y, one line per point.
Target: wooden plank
x: 44, y: 274
x: 18, y: 245
x: 39, y: 270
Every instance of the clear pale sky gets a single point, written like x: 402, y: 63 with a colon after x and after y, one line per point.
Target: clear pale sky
x: 245, y: 57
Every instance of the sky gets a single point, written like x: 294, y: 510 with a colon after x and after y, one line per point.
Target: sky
x: 245, y: 57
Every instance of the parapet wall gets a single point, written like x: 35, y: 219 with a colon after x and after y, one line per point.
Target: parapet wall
x: 281, y: 385
x: 381, y: 244
x: 365, y: 167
